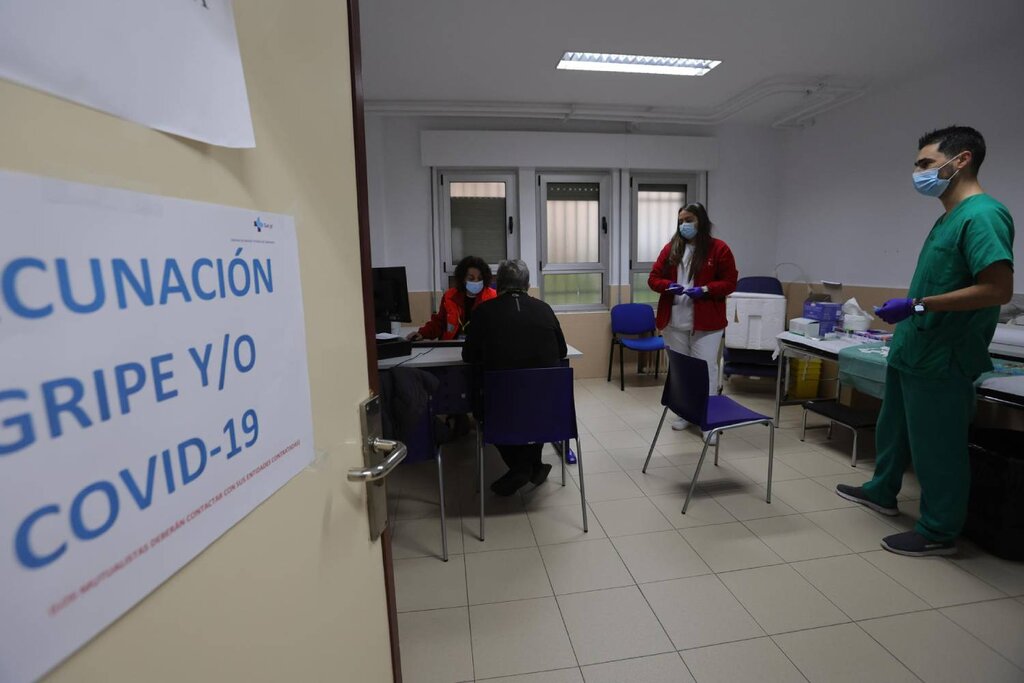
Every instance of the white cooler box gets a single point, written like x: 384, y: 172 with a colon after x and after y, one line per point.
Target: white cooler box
x: 755, y: 320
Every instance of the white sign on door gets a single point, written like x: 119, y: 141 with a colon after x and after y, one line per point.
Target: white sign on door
x: 153, y: 391
x: 172, y: 65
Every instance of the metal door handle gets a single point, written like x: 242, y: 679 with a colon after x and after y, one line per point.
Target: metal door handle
x: 396, y: 451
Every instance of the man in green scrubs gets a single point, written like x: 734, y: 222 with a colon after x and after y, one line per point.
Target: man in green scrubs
x: 964, y: 273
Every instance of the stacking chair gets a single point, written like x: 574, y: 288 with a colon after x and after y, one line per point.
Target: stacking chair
x: 536, y: 405
x: 686, y: 395
x: 422, y: 445
x: 838, y: 414
x: 634, y: 319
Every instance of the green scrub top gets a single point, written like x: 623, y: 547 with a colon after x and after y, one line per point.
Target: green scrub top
x: 965, y: 241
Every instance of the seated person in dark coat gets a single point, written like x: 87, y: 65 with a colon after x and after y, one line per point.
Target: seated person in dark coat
x: 511, y: 332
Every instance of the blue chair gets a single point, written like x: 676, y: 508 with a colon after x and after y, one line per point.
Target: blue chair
x: 535, y: 405
x: 749, y: 362
x: 634, y: 319
x: 686, y: 394
x: 422, y: 445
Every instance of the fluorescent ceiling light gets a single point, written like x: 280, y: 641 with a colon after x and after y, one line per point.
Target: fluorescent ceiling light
x: 636, y: 64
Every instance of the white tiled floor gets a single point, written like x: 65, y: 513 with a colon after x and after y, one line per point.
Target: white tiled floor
x: 735, y: 590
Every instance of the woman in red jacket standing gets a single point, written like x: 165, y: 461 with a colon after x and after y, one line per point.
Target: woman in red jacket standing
x: 473, y: 278
x: 694, y: 273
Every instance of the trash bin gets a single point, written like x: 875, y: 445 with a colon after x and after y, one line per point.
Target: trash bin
x: 995, y: 513
x: 806, y: 374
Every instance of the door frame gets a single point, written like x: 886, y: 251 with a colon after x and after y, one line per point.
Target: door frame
x: 366, y: 268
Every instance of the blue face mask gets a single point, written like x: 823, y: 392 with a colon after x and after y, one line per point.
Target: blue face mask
x: 930, y: 184
x: 687, y: 230
x: 475, y: 288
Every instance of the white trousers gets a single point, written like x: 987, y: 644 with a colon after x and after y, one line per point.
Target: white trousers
x: 703, y: 345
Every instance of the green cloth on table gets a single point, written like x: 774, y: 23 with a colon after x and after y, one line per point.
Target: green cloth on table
x: 863, y: 368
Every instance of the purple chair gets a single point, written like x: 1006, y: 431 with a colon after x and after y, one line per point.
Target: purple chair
x: 635, y: 319
x: 686, y: 394
x: 422, y: 445
x: 451, y: 398
x: 535, y: 405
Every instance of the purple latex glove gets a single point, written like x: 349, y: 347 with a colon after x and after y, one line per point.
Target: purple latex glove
x: 895, y: 310
x: 694, y: 292
x: 675, y: 289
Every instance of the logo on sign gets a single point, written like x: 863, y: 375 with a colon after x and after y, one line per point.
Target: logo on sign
x: 261, y: 225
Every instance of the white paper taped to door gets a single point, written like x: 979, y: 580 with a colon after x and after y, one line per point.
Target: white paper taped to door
x: 172, y: 65
x: 160, y: 393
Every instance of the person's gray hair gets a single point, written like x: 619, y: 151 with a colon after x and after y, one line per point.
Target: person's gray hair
x: 513, y: 274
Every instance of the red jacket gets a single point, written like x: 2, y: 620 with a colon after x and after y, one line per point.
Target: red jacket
x: 448, y: 322
x: 718, y: 274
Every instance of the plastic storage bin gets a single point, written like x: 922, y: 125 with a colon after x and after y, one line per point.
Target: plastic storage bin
x: 995, y: 513
x: 755, y: 320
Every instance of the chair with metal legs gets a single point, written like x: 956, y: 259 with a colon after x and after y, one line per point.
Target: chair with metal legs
x: 634, y: 319
x: 686, y: 395
x: 422, y: 445
x: 838, y: 414
x: 535, y: 405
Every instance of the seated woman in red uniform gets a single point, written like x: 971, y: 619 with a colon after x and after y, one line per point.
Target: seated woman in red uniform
x: 473, y: 278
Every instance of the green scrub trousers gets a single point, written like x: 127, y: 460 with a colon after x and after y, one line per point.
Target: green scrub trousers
x: 925, y: 420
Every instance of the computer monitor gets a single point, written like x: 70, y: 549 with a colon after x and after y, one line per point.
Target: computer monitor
x: 390, y: 297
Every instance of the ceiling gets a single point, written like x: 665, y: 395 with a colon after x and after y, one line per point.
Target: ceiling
x: 783, y: 61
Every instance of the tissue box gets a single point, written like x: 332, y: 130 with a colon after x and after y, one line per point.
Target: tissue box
x: 755, y: 320
x: 823, y: 310
x: 805, y: 327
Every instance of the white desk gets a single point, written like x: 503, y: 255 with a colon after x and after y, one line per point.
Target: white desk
x: 441, y: 356
x: 1001, y: 389
x: 797, y: 345
x: 1008, y: 342
x: 1006, y: 390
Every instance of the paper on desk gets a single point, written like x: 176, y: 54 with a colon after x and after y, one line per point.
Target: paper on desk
x: 383, y: 336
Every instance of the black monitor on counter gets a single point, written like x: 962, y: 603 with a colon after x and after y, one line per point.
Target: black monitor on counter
x: 390, y: 297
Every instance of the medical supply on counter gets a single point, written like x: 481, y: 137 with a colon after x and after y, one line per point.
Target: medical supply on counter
x: 855, y: 318
x: 805, y: 327
x: 873, y: 335
x: 825, y: 311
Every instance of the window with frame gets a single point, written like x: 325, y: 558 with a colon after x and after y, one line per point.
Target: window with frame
x: 478, y: 217
x: 654, y: 212
x: 573, y: 214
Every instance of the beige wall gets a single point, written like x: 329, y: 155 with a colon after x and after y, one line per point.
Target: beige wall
x: 867, y: 297
x: 591, y: 332
x: 295, y: 591
x: 422, y: 305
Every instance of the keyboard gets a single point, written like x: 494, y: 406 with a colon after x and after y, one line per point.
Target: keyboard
x: 425, y: 343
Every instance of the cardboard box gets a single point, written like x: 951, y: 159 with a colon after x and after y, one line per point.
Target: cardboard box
x: 755, y: 320
x: 823, y: 310
x: 805, y: 327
